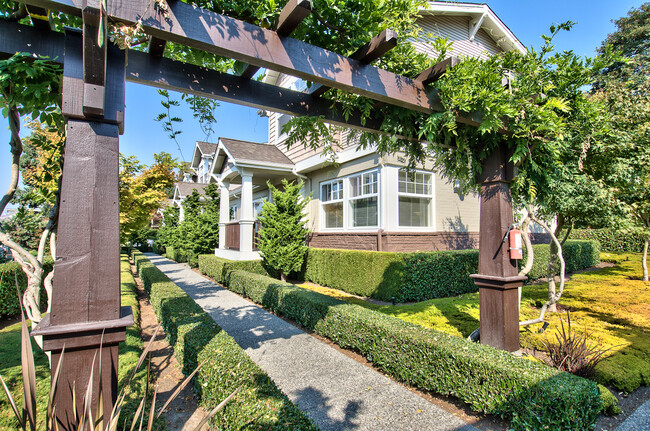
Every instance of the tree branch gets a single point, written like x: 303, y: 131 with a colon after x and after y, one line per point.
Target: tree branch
x: 16, y: 150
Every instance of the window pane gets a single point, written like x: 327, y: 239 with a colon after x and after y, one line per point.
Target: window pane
x: 414, y: 211
x: 333, y: 215
x: 364, y: 212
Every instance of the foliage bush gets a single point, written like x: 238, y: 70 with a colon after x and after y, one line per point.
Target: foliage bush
x: 197, y: 338
x: 611, y: 240
x: 9, y: 272
x: 422, y: 276
x: 219, y: 269
x: 532, y: 395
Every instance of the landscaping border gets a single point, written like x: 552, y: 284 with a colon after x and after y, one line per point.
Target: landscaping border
x: 196, y: 338
x: 532, y: 395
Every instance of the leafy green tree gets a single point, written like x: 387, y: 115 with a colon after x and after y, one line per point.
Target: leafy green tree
x: 625, y: 87
x: 142, y: 191
x: 283, y: 232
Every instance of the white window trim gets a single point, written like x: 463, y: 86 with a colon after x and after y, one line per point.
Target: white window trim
x: 431, y: 196
x: 347, y: 199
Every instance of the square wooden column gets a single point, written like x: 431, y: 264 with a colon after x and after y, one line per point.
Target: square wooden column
x: 497, y: 278
x: 86, y: 316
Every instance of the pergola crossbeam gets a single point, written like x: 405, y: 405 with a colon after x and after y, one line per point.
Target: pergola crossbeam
x: 293, y: 13
x: 378, y: 46
x: 156, y: 46
x: 434, y: 73
x: 228, y: 37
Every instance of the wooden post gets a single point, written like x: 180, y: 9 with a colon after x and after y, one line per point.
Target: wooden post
x: 497, y: 275
x: 86, y: 312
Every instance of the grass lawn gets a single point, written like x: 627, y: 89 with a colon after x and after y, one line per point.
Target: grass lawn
x: 610, y: 303
x: 130, y: 351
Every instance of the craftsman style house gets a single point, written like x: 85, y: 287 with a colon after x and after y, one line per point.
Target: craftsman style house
x: 363, y: 201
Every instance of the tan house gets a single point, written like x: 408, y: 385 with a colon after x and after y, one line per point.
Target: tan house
x: 363, y: 201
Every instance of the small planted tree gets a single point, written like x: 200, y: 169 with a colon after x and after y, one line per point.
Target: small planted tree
x: 283, y: 233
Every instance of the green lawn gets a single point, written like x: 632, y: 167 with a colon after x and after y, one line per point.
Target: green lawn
x: 610, y: 303
x: 129, y: 353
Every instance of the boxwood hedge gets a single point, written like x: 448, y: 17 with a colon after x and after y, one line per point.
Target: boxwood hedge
x: 196, y: 338
x: 422, y: 276
x: 218, y: 268
x: 534, y: 396
x: 611, y: 240
x: 9, y: 273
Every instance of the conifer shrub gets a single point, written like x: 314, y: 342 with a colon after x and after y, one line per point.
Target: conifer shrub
x: 283, y: 232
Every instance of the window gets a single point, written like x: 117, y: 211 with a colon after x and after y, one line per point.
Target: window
x: 281, y: 120
x: 351, y: 202
x: 257, y: 207
x: 415, y: 194
x: 363, y: 200
x: 234, y: 212
x: 331, y: 195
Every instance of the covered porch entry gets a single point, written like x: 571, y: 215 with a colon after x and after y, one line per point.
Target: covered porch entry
x: 242, y: 170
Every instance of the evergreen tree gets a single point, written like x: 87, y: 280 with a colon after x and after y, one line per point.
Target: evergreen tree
x: 283, y: 233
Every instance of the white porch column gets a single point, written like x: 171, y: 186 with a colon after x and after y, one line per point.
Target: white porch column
x: 224, y: 213
x: 246, y: 220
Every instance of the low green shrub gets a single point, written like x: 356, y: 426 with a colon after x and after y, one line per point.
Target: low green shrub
x: 610, y: 403
x: 197, y: 338
x: 532, y: 395
x: 422, y: 276
x: 611, y: 240
x: 182, y: 256
x: 9, y: 273
x: 577, y: 255
x: 219, y: 268
x: 366, y: 273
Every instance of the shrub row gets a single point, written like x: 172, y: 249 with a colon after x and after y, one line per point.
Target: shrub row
x: 219, y: 268
x: 181, y: 256
x: 9, y: 273
x: 422, y: 276
x: 611, y: 240
x: 196, y: 338
x: 533, y: 395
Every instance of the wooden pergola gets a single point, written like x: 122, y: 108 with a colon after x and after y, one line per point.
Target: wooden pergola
x: 86, y: 310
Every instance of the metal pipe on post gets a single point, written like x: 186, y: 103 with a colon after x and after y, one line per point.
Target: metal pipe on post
x: 497, y: 277
x: 86, y: 316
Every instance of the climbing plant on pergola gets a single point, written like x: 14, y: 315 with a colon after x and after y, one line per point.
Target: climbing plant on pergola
x: 480, y: 121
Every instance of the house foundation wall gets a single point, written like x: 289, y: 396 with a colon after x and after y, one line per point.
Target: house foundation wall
x: 403, y: 241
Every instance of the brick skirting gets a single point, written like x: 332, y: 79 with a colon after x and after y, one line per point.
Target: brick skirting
x: 401, y: 241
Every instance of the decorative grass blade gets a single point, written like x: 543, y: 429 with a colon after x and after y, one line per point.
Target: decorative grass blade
x: 216, y: 410
x: 13, y: 404
x: 28, y: 370
x: 55, y: 382
x: 179, y: 389
x: 99, y: 422
x: 137, y: 413
x: 88, y: 398
x: 142, y: 357
x: 152, y: 412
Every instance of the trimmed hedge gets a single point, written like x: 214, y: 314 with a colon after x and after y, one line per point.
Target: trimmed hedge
x: 611, y: 240
x: 422, y: 276
x: 9, y: 305
x: 219, y: 268
x: 533, y: 395
x: 197, y: 338
x: 181, y: 256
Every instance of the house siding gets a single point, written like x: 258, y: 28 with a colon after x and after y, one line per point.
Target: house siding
x: 454, y: 212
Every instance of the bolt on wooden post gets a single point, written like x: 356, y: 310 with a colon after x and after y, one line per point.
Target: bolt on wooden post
x: 497, y: 277
x: 86, y: 316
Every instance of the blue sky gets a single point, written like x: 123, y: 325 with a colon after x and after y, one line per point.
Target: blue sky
x: 527, y: 19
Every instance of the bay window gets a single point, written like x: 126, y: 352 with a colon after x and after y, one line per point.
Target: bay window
x: 415, y: 193
x: 363, y: 200
x: 331, y: 195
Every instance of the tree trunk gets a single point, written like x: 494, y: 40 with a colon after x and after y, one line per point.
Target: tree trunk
x: 552, y: 259
x: 644, y: 260
x: 283, y: 277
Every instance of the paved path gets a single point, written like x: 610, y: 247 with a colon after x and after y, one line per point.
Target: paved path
x: 637, y: 421
x: 336, y: 392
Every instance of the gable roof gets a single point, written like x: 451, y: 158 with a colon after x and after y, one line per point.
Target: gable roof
x: 483, y: 17
x: 184, y: 189
x: 202, y: 149
x: 244, y: 151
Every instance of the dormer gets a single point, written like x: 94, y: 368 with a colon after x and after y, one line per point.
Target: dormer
x: 202, y: 159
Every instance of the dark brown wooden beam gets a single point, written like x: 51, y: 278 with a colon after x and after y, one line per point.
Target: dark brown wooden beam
x: 434, y: 73
x: 378, y: 46
x: 94, y: 64
x: 232, y: 38
x: 23, y: 38
x: 156, y: 46
x: 293, y: 13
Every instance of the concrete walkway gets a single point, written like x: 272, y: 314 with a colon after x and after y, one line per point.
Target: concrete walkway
x: 336, y: 392
x: 637, y: 421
